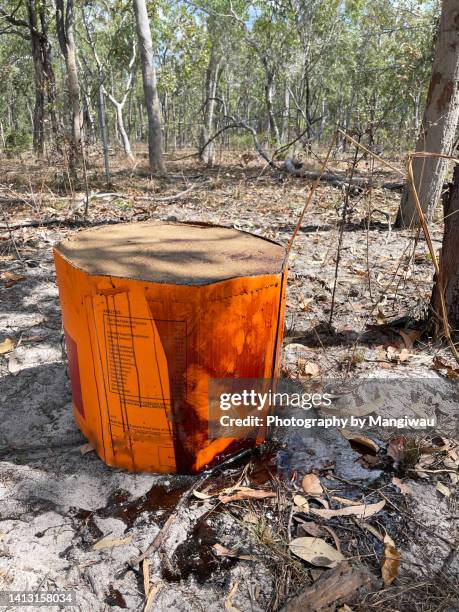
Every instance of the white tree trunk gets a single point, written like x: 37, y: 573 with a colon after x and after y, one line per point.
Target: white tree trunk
x: 103, y: 132
x: 286, y: 115
x: 121, y: 129
x: 155, y: 140
x: 439, y: 122
x: 120, y: 105
x: 65, y: 18
x: 208, y: 154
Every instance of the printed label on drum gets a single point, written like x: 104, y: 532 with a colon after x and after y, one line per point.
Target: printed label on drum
x: 127, y: 341
x: 136, y: 361
x: 136, y: 376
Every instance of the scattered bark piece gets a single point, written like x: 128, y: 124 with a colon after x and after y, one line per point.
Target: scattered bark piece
x: 223, y: 551
x: 246, y: 493
x: 340, y: 583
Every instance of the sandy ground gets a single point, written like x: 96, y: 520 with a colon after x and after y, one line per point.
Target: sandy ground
x: 59, y: 503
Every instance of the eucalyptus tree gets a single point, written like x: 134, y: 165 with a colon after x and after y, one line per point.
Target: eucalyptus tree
x: 214, y: 66
x: 65, y: 27
x: 155, y: 139
x: 29, y: 20
x: 440, y: 121
x: 111, y: 36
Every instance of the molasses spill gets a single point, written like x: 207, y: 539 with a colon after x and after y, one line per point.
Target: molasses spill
x: 195, y: 556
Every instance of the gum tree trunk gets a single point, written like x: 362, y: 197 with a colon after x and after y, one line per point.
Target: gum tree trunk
x: 155, y: 139
x: 439, y: 122
x: 65, y: 18
x: 449, y: 258
x: 208, y: 154
x: 119, y: 106
x: 45, y: 83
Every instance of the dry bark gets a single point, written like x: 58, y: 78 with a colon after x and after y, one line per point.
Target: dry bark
x: 338, y: 584
x: 449, y: 258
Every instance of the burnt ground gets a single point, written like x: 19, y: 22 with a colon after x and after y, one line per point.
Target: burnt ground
x: 69, y: 522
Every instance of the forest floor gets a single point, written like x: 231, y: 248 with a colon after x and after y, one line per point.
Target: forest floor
x: 69, y: 522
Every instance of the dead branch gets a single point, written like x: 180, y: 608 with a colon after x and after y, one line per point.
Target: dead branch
x: 358, y: 182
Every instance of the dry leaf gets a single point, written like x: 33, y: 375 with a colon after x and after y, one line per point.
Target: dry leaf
x: 86, y: 448
x: 346, y: 502
x: 230, y: 598
x: 304, y: 303
x: 443, y: 489
x: 372, y: 530
x: 311, y: 485
x: 301, y: 503
x: 361, y: 511
x: 397, y: 356
x: 10, y: 278
x: 451, y: 372
x: 360, y: 440
x: 316, y: 551
x: 409, y: 337
x: 311, y: 528
x: 381, y: 317
x: 246, y: 493
x: 201, y: 495
x: 404, y: 488
x: 108, y: 542
x: 222, y: 551
x: 310, y: 369
x: 6, y: 346
x: 390, y: 562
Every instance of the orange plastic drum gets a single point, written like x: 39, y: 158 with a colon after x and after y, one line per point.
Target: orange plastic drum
x: 151, y: 312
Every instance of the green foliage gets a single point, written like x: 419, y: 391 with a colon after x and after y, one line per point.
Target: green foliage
x: 360, y: 64
x: 17, y: 142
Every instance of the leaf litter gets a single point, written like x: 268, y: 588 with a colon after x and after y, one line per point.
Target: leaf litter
x: 309, y: 299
